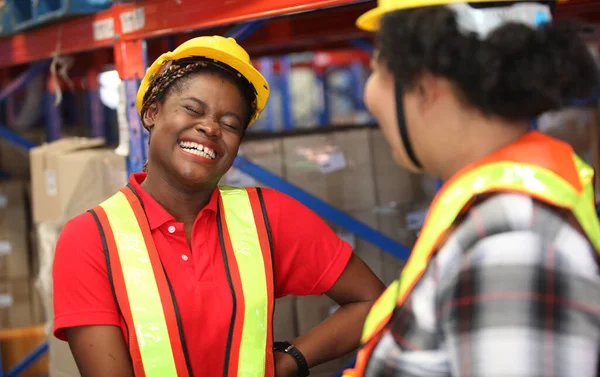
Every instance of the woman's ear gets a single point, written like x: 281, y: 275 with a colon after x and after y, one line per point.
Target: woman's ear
x: 149, y: 118
x: 428, y: 89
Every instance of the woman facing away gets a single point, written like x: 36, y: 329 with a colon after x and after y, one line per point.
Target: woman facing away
x: 174, y: 276
x: 503, y: 280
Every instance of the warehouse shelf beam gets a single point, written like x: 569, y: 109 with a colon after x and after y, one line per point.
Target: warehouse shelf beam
x: 27, y: 361
x: 23, y: 79
x: 322, y: 208
x: 266, y: 67
x: 244, y: 30
x: 52, y: 112
x: 16, y: 139
x: 96, y: 110
x: 287, y: 116
x: 363, y: 45
x: 135, y: 21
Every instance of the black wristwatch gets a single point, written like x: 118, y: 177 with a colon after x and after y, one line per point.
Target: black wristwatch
x: 287, y: 347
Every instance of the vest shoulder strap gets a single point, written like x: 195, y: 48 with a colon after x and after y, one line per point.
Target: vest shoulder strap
x: 141, y: 288
x: 246, y: 242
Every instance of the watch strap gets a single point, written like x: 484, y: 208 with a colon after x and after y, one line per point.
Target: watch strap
x: 290, y: 349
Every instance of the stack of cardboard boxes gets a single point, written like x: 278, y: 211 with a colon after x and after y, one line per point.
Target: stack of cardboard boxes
x: 19, y: 303
x: 21, y: 312
x: 68, y: 177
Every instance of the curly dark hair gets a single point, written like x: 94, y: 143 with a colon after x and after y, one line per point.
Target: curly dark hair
x: 516, y: 73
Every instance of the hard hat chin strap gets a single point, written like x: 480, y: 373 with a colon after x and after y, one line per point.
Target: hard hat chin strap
x: 402, y: 125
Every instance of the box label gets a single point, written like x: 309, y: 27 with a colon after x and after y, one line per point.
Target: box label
x: 332, y: 161
x: 6, y: 300
x: 104, y: 29
x: 51, y: 188
x: 415, y: 220
x: 133, y: 20
x: 5, y: 248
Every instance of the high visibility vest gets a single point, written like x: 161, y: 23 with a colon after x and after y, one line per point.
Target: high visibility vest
x: 536, y: 165
x: 145, y: 297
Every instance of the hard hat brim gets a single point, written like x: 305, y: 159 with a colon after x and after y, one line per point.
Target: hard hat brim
x: 369, y: 21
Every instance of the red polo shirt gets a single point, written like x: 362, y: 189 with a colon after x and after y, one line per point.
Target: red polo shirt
x: 308, y: 259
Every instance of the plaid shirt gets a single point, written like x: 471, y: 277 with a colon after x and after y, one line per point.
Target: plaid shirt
x: 514, y: 292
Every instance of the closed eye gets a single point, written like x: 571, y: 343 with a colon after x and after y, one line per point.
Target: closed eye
x: 192, y: 110
x: 230, y: 126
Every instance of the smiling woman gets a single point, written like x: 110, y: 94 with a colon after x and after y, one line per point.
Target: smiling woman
x: 174, y: 276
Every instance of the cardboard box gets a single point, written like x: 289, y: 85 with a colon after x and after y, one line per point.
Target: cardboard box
x: 266, y: 153
x: 336, y: 168
x: 394, y: 184
x: 284, y: 319
x: 14, y: 243
x: 393, y: 225
x: 368, y: 252
x: 62, y: 363
x: 46, y: 235
x: 19, y: 304
x: 14, y: 159
x: 69, y: 178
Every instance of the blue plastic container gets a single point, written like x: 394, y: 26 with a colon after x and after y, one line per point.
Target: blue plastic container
x: 6, y: 23
x: 30, y: 13
x: 22, y: 13
x: 52, y: 9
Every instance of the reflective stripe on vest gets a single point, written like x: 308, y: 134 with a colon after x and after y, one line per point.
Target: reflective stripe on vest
x: 146, y: 301
x: 497, y: 175
x: 246, y: 240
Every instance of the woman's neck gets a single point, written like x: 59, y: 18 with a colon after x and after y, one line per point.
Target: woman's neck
x: 477, y: 142
x: 182, y: 205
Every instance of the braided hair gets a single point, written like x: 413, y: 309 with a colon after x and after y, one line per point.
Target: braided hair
x: 176, y: 69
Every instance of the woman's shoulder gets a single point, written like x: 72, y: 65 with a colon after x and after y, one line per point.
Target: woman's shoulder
x: 80, y: 229
x: 511, y: 217
x: 273, y: 197
x: 79, y: 248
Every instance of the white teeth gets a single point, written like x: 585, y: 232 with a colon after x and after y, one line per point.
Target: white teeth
x: 198, y: 149
x: 199, y: 153
x: 210, y: 152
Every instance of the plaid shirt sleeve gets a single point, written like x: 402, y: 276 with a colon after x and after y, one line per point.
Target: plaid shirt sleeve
x: 514, y: 292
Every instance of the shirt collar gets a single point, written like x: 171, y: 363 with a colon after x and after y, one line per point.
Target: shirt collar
x: 156, y: 214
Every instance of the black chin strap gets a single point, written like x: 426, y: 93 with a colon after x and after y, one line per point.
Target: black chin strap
x: 402, y: 126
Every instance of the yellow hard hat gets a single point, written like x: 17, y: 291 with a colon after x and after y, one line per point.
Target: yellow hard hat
x: 369, y: 21
x: 221, y: 49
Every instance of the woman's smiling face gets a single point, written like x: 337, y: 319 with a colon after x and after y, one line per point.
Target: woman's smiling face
x: 197, y: 129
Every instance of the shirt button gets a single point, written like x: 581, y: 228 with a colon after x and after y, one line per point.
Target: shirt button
x: 184, y: 257
x: 171, y: 229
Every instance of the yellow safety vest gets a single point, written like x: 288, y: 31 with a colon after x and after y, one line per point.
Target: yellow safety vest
x: 146, y: 301
x: 536, y: 165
